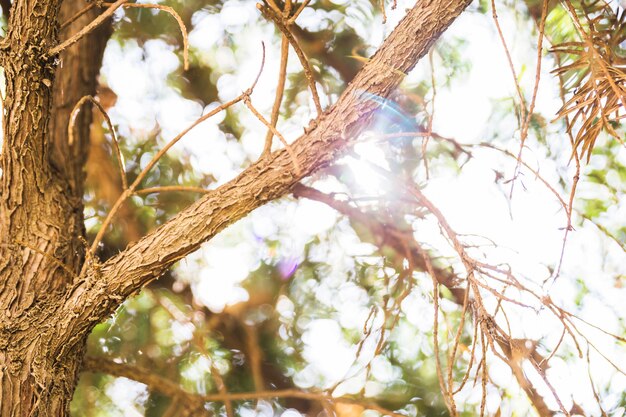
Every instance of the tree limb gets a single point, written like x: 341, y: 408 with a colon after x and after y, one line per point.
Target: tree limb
x: 105, y: 287
x: 173, y: 390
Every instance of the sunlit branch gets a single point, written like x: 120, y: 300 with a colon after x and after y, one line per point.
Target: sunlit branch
x: 489, y: 329
x: 131, y: 189
x: 275, y: 131
x: 485, y: 375
x: 280, y: 89
x: 104, y: 288
x: 385, y: 235
x: 279, y: 21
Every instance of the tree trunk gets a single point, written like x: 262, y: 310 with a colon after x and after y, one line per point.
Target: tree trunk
x: 41, y: 210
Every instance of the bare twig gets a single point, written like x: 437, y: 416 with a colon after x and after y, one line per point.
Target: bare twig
x: 526, y: 121
x: 280, y: 23
x: 44, y: 254
x: 171, y: 188
x: 77, y: 15
x: 131, y: 189
x: 87, y: 29
x: 518, y: 88
x: 293, y: 18
x: 280, y: 89
x: 267, y: 124
x: 116, y: 145
x: 175, y: 15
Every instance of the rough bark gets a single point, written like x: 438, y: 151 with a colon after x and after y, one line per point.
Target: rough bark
x: 41, y: 211
x: 46, y: 315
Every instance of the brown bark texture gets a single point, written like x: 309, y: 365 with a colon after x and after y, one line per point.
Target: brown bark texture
x: 41, y: 210
x: 47, y: 310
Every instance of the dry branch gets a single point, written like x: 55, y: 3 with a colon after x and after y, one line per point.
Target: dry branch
x: 101, y: 290
x: 176, y: 16
x: 173, y: 390
x: 283, y: 25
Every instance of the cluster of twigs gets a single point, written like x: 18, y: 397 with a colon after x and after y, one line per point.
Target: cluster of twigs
x: 282, y: 18
x: 473, y: 291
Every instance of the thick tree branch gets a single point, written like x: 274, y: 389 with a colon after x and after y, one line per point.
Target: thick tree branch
x: 104, y: 288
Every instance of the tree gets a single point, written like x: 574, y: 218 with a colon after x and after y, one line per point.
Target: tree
x: 55, y: 287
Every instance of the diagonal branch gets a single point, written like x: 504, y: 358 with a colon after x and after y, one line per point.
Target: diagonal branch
x: 102, y: 289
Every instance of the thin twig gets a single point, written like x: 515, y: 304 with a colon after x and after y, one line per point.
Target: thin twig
x: 131, y: 189
x: 494, y: 14
x: 432, y: 112
x: 280, y: 89
x: 593, y: 386
x: 172, y: 188
x: 175, y: 15
x: 87, y: 29
x: 382, y: 10
x: 526, y: 121
x: 447, y: 393
x: 308, y: 71
x: 116, y: 145
x: 293, y: 18
x: 267, y: 124
x: 46, y: 255
x: 273, y: 5
x: 77, y: 15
